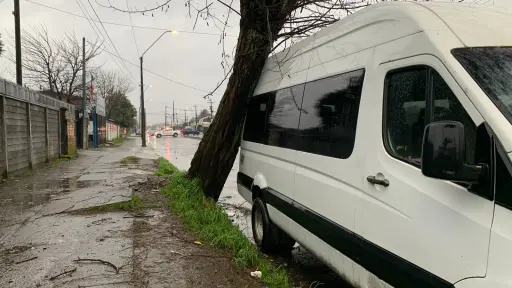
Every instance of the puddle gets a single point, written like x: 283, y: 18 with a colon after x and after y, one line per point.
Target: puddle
x: 62, y: 185
x: 19, y: 196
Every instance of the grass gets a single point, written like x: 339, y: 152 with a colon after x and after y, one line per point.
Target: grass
x: 119, y: 140
x: 129, y: 159
x: 62, y: 159
x: 135, y: 204
x: 212, y: 225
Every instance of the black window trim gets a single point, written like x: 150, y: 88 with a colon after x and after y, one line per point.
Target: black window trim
x: 499, y: 151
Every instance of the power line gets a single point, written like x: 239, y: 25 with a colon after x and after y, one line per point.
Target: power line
x: 125, y: 25
x: 93, y: 25
x: 156, y: 74
x: 111, y: 42
x: 133, y: 30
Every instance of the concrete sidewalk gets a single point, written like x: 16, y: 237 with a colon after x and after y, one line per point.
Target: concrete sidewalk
x: 41, y: 237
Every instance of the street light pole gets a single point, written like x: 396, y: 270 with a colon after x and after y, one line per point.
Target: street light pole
x: 143, y: 114
x: 143, y: 111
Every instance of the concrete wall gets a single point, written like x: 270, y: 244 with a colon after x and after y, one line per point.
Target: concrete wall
x: 113, y: 130
x: 30, y: 128
x: 71, y: 130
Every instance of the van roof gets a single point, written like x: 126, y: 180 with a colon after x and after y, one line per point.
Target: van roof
x: 466, y: 25
x: 473, y: 25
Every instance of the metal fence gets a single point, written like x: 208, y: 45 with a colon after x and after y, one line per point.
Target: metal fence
x: 34, y: 128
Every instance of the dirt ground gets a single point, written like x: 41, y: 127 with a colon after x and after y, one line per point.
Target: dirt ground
x: 164, y: 252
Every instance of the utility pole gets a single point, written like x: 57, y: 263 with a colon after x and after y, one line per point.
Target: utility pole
x: 211, y: 107
x: 17, y: 35
x: 85, y: 132
x: 185, y: 116
x: 173, y: 122
x: 165, y: 119
x: 143, y: 116
x: 195, y: 106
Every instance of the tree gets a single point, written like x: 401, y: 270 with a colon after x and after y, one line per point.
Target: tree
x: 123, y: 113
x: 111, y: 86
x: 204, y: 113
x: 55, y: 64
x: 265, y: 25
x: 1, y: 45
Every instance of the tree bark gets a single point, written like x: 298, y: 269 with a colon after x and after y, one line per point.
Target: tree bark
x: 217, y: 150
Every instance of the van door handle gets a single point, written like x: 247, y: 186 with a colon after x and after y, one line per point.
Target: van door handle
x: 375, y: 181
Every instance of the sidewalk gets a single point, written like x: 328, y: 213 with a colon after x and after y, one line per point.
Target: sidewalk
x: 36, y: 220
x: 51, y: 219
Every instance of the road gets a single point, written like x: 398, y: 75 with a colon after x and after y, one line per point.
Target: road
x: 305, y: 268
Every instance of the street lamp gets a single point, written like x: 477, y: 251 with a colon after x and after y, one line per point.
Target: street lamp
x: 142, y: 136
x: 142, y: 86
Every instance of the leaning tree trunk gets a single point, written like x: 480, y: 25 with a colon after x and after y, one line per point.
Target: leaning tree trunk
x: 217, y: 150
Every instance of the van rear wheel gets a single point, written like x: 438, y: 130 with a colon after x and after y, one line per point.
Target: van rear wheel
x: 267, y: 236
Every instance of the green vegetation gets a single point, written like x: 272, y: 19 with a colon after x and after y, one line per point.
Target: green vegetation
x: 135, y: 204
x: 119, y: 140
x: 62, y: 159
x: 212, y: 225
x: 129, y: 159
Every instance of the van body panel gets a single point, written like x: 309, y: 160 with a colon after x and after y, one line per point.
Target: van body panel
x: 461, y: 21
x: 482, y: 282
x: 418, y: 231
x: 332, y: 257
x: 269, y: 166
x: 416, y: 207
x: 500, y: 251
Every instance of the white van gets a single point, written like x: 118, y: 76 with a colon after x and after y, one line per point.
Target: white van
x: 382, y: 144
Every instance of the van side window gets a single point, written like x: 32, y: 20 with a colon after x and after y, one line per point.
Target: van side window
x: 283, y: 116
x: 405, y: 111
x: 503, y: 188
x: 256, y: 117
x: 329, y: 113
x: 447, y: 107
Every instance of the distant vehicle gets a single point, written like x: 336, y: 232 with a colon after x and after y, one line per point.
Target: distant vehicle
x: 166, y: 132
x: 189, y: 131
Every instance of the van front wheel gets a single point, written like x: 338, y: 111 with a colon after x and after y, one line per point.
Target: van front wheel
x: 267, y: 236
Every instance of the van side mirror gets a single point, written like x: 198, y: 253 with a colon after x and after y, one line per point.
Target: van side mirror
x: 443, y: 155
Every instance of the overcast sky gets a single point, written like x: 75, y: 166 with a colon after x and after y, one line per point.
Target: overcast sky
x: 189, y: 58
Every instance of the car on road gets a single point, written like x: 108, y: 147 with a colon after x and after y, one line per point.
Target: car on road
x: 167, y: 132
x: 389, y: 153
x: 189, y: 131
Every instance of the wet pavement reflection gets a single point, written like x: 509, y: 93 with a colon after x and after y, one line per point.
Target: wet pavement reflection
x: 305, y: 268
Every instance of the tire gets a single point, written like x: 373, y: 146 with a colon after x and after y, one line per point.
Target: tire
x: 158, y: 135
x: 175, y: 135
x: 268, y: 237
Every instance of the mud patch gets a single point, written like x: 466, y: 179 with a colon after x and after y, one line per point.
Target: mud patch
x: 130, y: 160
x: 164, y: 251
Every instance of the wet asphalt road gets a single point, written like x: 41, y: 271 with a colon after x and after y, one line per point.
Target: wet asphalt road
x: 305, y: 268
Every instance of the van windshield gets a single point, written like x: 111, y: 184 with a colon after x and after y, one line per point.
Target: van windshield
x: 491, y: 68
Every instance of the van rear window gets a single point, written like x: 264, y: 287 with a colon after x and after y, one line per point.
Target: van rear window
x: 319, y: 117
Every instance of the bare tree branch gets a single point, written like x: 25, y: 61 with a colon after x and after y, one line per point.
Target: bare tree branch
x: 52, y: 64
x: 229, y: 6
